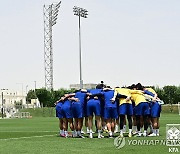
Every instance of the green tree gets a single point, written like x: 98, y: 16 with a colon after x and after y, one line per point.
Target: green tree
x: 31, y: 95
x: 45, y: 97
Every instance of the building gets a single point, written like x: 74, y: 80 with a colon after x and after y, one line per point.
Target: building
x: 11, y: 101
x: 85, y: 86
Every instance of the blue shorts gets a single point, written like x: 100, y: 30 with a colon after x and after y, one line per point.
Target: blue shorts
x: 102, y: 109
x: 77, y: 110
x: 85, y: 109
x: 142, y: 109
x: 110, y: 112
x: 59, y: 112
x: 67, y: 112
x: 93, y: 106
x: 126, y: 109
x: 155, y: 110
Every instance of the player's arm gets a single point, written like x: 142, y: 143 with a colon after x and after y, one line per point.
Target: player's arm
x: 73, y: 99
x: 115, y: 95
x: 137, y: 92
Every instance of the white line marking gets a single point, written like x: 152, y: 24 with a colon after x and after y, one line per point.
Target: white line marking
x: 25, y: 137
x: 28, y: 131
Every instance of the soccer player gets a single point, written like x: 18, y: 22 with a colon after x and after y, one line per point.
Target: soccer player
x: 59, y: 104
x: 94, y: 106
x: 78, y: 110
x: 67, y: 115
x: 155, y: 110
x: 110, y: 110
x: 141, y: 109
x: 125, y: 108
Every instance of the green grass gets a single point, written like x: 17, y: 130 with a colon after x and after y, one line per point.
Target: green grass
x: 39, y: 135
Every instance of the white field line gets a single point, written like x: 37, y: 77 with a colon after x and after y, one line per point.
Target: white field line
x: 28, y: 131
x: 25, y: 137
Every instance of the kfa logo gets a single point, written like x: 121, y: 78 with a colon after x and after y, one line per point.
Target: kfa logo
x: 173, y: 150
x: 173, y: 135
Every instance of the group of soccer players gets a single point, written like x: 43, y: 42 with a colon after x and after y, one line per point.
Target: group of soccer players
x: 136, y: 103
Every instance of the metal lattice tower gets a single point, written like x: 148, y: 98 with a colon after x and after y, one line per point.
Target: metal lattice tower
x: 50, y: 17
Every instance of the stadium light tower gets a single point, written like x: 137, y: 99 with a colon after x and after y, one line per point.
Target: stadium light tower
x: 80, y: 12
x: 50, y: 18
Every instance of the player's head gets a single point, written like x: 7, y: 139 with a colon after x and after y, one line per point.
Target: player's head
x: 99, y: 86
x: 139, y: 86
x: 133, y: 86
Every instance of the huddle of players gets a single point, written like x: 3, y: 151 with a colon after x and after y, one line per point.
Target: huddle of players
x: 138, y: 104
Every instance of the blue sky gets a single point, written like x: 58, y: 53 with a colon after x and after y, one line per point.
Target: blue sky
x: 123, y: 42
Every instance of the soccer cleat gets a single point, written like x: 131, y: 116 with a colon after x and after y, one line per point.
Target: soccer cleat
x: 87, y: 132
x: 105, y: 130
x: 116, y: 129
x: 90, y: 135
x: 152, y: 134
x: 139, y: 135
x: 134, y: 133
x: 121, y: 135
x: 110, y: 136
x: 62, y: 135
x: 100, y: 136
x: 82, y: 132
x: 130, y: 135
x: 144, y: 134
x: 81, y: 136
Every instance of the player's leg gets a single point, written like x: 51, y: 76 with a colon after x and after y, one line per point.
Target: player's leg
x: 90, y: 117
x: 113, y: 126
x: 61, y: 127
x: 86, y: 125
x: 97, y: 112
x: 71, y: 125
x: 108, y: 120
x: 129, y: 112
x: 134, y: 127
x: 129, y: 117
x: 79, y: 126
x: 116, y: 125
x: 122, y: 112
x: 109, y: 127
x: 90, y: 123
x: 65, y: 127
x: 122, y: 117
x: 99, y: 125
x: 158, y: 125
x: 146, y: 113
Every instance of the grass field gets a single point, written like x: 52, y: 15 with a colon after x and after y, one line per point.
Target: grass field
x: 39, y: 135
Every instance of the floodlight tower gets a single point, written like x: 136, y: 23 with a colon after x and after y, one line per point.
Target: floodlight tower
x: 81, y: 13
x: 50, y: 17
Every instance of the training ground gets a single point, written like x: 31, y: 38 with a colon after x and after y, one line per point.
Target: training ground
x: 40, y: 135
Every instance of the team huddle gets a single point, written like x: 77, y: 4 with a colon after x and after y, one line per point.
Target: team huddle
x: 136, y: 104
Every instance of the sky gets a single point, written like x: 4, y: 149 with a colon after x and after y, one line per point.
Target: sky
x: 123, y: 42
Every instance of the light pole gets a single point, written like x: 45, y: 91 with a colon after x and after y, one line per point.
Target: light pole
x: 50, y: 19
x: 81, y: 13
x: 35, y: 85
x: 2, y: 110
x: 26, y: 89
x: 21, y: 87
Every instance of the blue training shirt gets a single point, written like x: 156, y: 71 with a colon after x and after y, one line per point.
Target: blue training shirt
x: 81, y: 96
x: 108, y: 95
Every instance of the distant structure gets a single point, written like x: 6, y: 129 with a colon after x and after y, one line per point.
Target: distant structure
x: 85, y: 86
x: 50, y: 17
x: 11, y: 101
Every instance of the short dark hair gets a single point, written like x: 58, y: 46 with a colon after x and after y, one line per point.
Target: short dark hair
x: 139, y: 86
